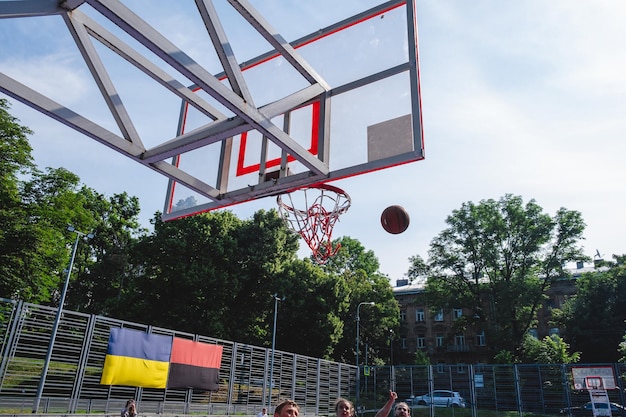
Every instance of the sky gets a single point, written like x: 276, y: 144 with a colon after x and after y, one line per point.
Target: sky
x: 525, y: 98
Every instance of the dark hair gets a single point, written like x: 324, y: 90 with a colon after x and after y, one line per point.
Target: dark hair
x: 285, y: 403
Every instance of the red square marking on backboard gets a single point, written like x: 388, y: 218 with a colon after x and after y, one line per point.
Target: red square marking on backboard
x: 243, y: 169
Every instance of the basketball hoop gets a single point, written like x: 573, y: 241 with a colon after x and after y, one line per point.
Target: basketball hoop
x: 322, y: 205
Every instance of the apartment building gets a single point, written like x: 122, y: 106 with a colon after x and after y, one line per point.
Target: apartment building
x: 439, y: 335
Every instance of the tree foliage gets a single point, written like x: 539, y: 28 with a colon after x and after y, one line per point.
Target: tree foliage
x: 551, y: 349
x: 594, y: 317
x: 105, y: 268
x: 35, y: 209
x: 15, y: 161
x: 496, y: 259
x: 310, y: 316
x: 358, y: 269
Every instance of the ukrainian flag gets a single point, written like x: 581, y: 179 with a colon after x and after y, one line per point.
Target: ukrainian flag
x: 137, y: 359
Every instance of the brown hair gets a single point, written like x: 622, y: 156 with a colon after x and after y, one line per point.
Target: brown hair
x: 342, y: 401
x: 285, y: 403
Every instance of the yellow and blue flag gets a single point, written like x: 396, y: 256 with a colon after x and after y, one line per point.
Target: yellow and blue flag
x: 139, y: 359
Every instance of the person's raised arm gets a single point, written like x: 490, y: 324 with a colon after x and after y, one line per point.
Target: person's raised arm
x: 384, y: 412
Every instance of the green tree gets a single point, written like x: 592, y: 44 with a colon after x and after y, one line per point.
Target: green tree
x: 105, y: 272
x: 264, y: 248
x: 35, y: 208
x: 421, y: 358
x: 358, y: 268
x: 309, y: 318
x: 496, y: 259
x: 16, y: 233
x: 552, y: 349
x: 53, y: 200
x: 213, y: 271
x: 183, y: 278
x: 594, y: 317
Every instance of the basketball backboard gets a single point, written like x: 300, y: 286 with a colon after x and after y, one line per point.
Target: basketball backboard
x: 593, y: 377
x: 275, y: 95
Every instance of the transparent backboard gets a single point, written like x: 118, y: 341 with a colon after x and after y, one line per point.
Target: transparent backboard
x: 367, y: 118
x: 269, y: 96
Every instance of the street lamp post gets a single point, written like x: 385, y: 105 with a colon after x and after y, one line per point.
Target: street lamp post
x: 269, y: 396
x: 358, y: 368
x: 57, y: 320
x: 391, y: 374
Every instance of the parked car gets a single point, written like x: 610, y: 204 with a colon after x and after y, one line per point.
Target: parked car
x: 443, y: 398
x: 586, y: 410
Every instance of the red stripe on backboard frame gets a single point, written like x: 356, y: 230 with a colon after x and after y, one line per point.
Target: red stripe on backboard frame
x: 303, y: 41
x: 243, y: 169
x: 297, y: 44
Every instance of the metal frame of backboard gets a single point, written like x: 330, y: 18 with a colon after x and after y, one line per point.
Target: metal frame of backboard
x: 233, y: 95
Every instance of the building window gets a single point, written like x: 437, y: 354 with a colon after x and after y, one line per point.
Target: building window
x: 480, y: 338
x: 458, y: 313
x: 554, y: 330
x: 459, y: 339
x: 439, y: 315
x: 421, y: 341
x: 439, y: 339
x: 461, y: 368
x: 403, y: 342
x: 419, y: 314
x: 441, y: 367
x: 533, y: 333
x: 402, y: 315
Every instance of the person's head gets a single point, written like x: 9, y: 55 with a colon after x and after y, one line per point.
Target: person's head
x: 287, y: 408
x: 344, y: 408
x: 130, y: 402
x: 264, y: 410
x: 402, y: 410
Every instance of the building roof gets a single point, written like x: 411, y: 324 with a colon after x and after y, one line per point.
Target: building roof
x: 405, y: 287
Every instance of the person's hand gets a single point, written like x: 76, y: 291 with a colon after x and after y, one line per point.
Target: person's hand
x: 393, y: 396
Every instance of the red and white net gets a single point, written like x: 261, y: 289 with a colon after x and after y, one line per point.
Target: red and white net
x: 312, y: 213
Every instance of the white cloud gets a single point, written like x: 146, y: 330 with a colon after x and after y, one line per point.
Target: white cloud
x: 54, y: 75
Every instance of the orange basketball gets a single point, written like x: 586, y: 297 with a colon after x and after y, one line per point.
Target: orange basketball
x: 395, y: 219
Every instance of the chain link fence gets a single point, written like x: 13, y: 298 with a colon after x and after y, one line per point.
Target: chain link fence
x: 72, y: 384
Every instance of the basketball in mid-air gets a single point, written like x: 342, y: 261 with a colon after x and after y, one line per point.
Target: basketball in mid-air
x: 395, y: 219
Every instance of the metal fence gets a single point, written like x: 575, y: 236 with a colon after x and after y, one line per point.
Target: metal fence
x: 73, y: 378
x: 493, y: 390
x: 73, y: 384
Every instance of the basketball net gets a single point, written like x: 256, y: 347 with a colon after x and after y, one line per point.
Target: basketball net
x: 319, y: 208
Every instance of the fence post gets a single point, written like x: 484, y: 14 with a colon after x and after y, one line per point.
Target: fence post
x: 472, y: 390
x: 518, y: 392
x: 15, y: 317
